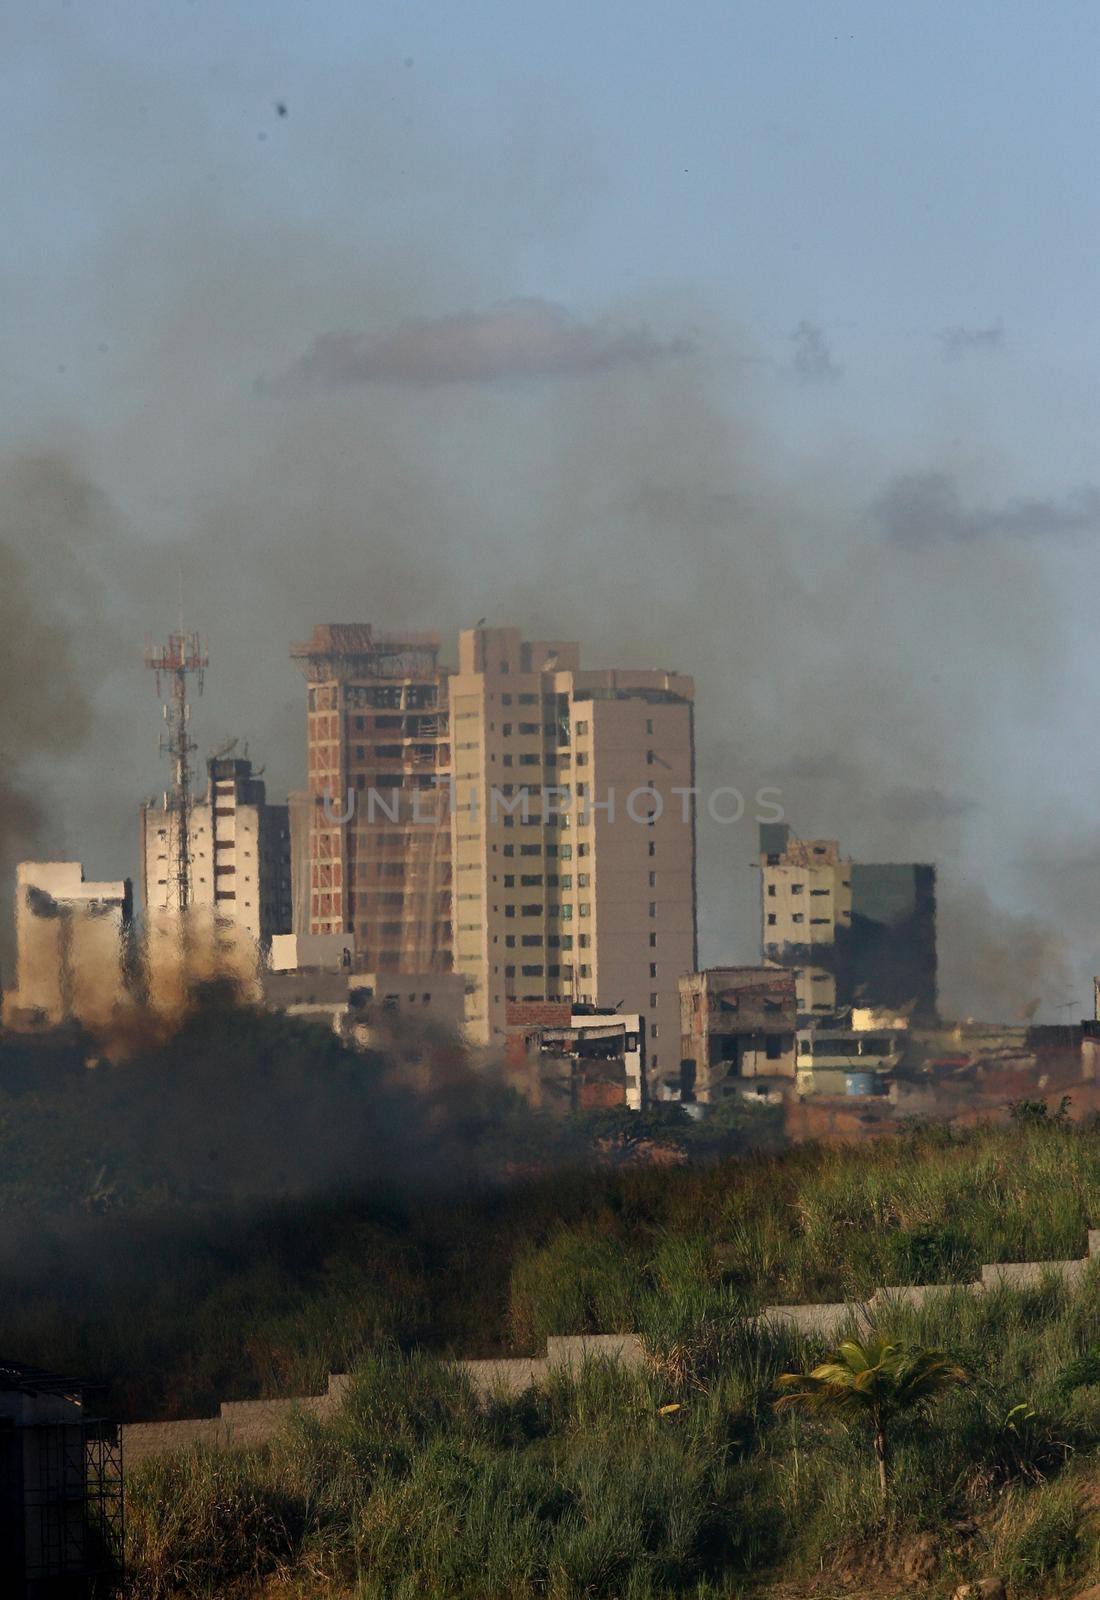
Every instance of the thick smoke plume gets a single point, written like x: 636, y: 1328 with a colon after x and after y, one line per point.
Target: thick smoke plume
x: 43, y: 714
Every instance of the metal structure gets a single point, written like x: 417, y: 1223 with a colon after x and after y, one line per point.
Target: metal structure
x: 182, y: 658
x: 61, y: 1491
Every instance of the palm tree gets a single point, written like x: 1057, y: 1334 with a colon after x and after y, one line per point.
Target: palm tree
x: 877, y: 1380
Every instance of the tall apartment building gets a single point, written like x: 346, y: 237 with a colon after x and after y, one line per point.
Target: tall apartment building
x: 239, y: 849
x: 375, y: 832
x: 573, y: 828
x: 854, y: 933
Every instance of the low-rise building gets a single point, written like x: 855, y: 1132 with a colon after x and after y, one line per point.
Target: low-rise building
x: 735, y: 1023
x: 834, y: 1058
x: 576, y: 1057
x: 317, y: 976
x: 72, y: 946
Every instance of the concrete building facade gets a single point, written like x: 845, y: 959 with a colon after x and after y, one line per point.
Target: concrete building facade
x: 239, y: 848
x: 853, y: 933
x: 735, y: 1023
x: 72, y: 945
x: 573, y: 834
x: 375, y: 830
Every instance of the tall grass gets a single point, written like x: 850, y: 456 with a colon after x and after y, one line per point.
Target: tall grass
x: 586, y: 1488
x: 181, y: 1308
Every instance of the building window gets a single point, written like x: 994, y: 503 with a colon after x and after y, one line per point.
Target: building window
x: 797, y: 888
x: 771, y: 890
x: 653, y: 941
x: 652, y: 1000
x: 653, y: 880
x: 653, y: 908
x: 649, y: 725
x: 582, y: 728
x: 653, y: 1030
x: 798, y: 917
x: 653, y: 969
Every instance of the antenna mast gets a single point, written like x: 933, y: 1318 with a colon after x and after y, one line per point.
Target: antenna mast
x: 182, y: 657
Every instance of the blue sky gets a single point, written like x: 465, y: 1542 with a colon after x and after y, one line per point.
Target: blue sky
x: 872, y: 540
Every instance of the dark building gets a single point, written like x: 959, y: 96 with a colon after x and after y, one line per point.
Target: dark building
x: 60, y: 1490
x: 889, y: 953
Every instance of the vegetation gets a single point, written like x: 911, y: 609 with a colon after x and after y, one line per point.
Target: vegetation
x: 246, y: 1207
x: 874, y: 1381
x: 596, y: 1487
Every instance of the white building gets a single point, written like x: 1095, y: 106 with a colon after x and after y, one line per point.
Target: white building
x: 239, y: 853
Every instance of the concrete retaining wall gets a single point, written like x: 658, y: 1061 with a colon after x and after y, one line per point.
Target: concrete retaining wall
x: 252, y: 1422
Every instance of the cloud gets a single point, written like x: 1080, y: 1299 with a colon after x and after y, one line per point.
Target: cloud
x: 813, y: 360
x: 914, y: 805
x: 959, y: 342
x: 926, y: 508
x: 522, y: 338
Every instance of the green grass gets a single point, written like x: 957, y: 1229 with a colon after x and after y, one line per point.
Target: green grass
x: 584, y: 1489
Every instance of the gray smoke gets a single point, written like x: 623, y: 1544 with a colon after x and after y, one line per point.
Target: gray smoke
x: 653, y: 505
x: 958, y: 342
x: 516, y: 339
x: 44, y: 713
x: 813, y: 359
x: 921, y: 506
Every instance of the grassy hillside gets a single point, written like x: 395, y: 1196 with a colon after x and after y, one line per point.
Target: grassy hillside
x: 251, y: 1207
x: 247, y: 1207
x: 594, y: 1489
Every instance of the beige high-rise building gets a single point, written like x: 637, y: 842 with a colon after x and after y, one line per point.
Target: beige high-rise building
x: 573, y: 834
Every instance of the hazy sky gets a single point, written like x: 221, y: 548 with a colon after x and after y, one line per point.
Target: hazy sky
x: 754, y: 340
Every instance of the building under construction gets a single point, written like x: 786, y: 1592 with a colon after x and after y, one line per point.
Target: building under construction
x: 61, y: 1502
x: 376, y: 829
